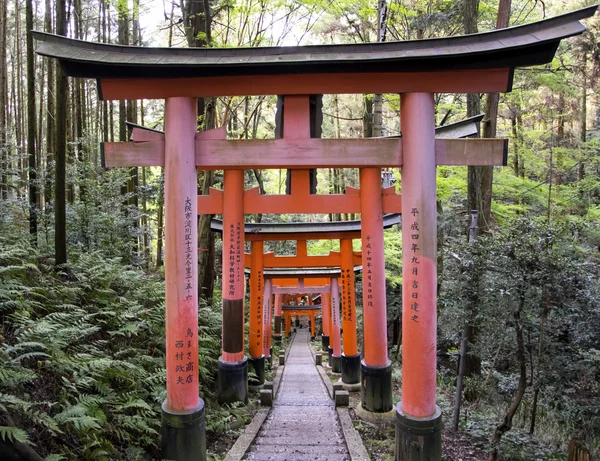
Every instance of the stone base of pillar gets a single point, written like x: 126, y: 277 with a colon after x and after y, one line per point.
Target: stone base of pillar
x: 376, y: 388
x: 351, y: 369
x: 418, y: 439
x: 183, y: 434
x: 324, y: 343
x: 232, y: 381
x: 277, y: 339
x: 330, y: 355
x: 336, y: 364
x: 258, y: 366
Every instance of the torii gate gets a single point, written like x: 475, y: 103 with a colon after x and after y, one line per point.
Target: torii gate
x: 415, y: 69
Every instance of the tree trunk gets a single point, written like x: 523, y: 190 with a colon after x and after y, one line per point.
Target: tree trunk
x: 506, y: 424
x: 31, y: 125
x: 583, y: 120
x: 60, y: 143
x: 3, y: 101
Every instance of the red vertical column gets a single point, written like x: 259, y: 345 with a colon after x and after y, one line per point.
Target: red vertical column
x: 376, y: 368
x: 419, y: 279
x: 326, y: 321
x: 232, y: 378
x: 336, y: 340
x: 181, y: 291
x: 181, y: 255
x: 351, y: 356
x: 278, y: 314
x: 266, y: 334
x: 257, y: 361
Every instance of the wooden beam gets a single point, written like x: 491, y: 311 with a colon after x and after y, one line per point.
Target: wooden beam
x: 333, y: 259
x: 450, y: 81
x: 220, y: 154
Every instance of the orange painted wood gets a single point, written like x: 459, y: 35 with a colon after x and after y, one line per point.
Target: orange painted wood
x: 336, y: 324
x: 326, y: 312
x: 219, y: 154
x: 348, y: 297
x: 233, y: 267
x: 453, y: 81
x: 266, y: 331
x: 308, y: 236
x: 333, y: 259
x: 181, y: 256
x: 127, y: 154
x: 419, y: 257
x: 374, y: 298
x: 256, y: 300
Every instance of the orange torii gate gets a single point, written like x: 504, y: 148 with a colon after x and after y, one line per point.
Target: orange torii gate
x: 415, y: 69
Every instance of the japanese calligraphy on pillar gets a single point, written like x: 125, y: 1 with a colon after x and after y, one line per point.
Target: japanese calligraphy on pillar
x: 414, y: 264
x: 188, y: 247
x: 184, y: 358
x: 238, y: 251
x: 335, y: 308
x: 259, y: 308
x: 232, y: 268
x: 369, y: 272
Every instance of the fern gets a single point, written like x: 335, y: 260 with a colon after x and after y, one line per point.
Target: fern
x: 10, y: 434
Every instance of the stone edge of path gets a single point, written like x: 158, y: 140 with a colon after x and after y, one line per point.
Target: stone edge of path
x: 240, y: 447
x: 325, y: 378
x: 354, y: 442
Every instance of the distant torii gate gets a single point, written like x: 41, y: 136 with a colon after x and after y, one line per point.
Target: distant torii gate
x: 415, y: 69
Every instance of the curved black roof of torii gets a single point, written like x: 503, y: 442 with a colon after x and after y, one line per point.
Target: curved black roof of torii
x: 525, y: 45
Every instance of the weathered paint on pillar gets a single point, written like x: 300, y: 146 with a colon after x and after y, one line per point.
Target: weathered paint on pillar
x: 312, y: 325
x: 233, y: 266
x: 181, y: 255
x: 348, y: 299
x: 266, y: 334
x: 374, y: 302
x: 278, y: 313
x: 326, y: 314
x: 256, y: 299
x: 336, y: 341
x: 419, y: 255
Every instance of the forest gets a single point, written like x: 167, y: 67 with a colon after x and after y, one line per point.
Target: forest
x: 82, y: 373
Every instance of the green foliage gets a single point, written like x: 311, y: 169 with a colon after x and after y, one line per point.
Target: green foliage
x: 82, y: 362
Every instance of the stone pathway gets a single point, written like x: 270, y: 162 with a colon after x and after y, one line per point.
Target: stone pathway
x: 303, y: 423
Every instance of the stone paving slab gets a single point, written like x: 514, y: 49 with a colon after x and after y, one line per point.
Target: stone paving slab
x: 303, y: 423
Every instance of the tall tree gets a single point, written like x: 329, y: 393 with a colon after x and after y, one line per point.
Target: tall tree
x: 31, y: 124
x: 3, y: 100
x: 60, y: 143
x: 481, y: 187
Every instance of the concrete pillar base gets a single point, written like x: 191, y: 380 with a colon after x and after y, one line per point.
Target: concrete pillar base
x: 351, y: 369
x: 258, y: 366
x: 418, y: 439
x: 324, y: 343
x: 232, y: 381
x: 277, y: 339
x: 376, y: 391
x: 336, y: 364
x: 183, y: 434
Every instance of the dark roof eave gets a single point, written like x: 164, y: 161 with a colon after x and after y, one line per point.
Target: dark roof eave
x: 525, y: 45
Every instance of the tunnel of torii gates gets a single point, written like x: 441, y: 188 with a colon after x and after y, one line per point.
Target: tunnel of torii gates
x: 478, y: 63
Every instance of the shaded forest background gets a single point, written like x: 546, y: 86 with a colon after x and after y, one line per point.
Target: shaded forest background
x: 81, y: 248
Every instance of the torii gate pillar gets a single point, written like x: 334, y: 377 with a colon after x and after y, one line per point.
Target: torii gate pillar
x: 232, y: 379
x: 351, y: 356
x: 336, y: 339
x: 418, y: 418
x: 183, y: 430
x: 376, y: 369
